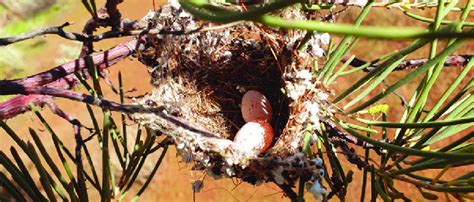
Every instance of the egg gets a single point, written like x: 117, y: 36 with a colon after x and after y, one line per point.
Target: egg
x: 256, y: 107
x: 254, y: 137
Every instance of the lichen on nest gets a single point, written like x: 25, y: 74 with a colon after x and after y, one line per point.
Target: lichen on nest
x: 200, y: 78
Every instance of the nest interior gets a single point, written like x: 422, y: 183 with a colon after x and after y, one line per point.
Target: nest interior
x: 210, y: 71
x: 218, y: 77
x: 201, y: 78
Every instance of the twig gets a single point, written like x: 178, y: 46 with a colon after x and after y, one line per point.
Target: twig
x: 101, y: 58
x: 443, y: 188
x: 224, y: 26
x: 454, y: 60
x: 350, y: 153
x: 133, y: 30
x: 113, y: 13
x: 336, y: 135
x: 60, y: 77
x: 79, y: 143
x: 104, y: 75
x: 115, y: 34
x: 50, y: 30
x: 99, y: 19
x: 105, y: 104
x: 127, y: 28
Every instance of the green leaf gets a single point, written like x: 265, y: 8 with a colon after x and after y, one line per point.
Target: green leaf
x: 378, y: 109
x: 375, y: 82
x: 10, y: 188
x: 369, y: 76
x: 52, y: 165
x: 428, y: 124
x: 45, y: 179
x: 152, y: 174
x: 412, y: 75
x: 22, y: 181
x: 416, y: 152
x: 25, y: 171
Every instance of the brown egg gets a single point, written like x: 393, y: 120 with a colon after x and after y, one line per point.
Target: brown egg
x: 256, y: 107
x: 254, y: 136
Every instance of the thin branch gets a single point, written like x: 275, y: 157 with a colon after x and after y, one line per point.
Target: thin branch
x: 99, y: 19
x: 81, y: 181
x: 101, y: 58
x: 105, y: 104
x: 132, y: 30
x: 113, y: 13
x: 60, y: 77
x: 350, y: 153
x: 128, y: 28
x: 337, y: 135
x: 439, y: 188
x: 50, y: 30
x: 451, y: 61
x: 116, y: 34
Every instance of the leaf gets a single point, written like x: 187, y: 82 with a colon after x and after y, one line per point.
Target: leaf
x: 378, y: 109
x: 429, y: 196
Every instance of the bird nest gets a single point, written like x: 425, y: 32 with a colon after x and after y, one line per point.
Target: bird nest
x: 199, y: 79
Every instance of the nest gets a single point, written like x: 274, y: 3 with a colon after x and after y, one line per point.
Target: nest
x: 200, y: 79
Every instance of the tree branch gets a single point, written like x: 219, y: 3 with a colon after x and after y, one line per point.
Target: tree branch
x: 336, y: 135
x: 129, y: 28
x: 104, y: 104
x: 76, y: 124
x: 114, y: 13
x: 50, y: 30
x: 454, y: 60
x: 60, y: 77
x: 101, y: 58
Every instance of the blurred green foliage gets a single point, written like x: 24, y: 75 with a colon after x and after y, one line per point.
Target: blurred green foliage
x: 14, y: 59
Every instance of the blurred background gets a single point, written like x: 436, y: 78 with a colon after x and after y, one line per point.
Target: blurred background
x: 173, y: 179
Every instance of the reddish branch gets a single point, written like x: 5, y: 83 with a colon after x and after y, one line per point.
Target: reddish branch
x: 101, y: 58
x: 76, y: 124
x: 455, y: 60
x: 110, y: 105
x: 100, y: 18
x: 60, y: 77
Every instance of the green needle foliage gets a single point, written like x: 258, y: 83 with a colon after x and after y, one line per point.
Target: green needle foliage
x: 421, y: 126
x: 77, y: 187
x: 405, y: 146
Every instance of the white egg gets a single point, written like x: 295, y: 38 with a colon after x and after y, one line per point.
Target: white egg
x: 254, y: 137
x: 256, y: 107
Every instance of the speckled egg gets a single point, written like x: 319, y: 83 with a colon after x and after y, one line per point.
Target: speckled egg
x: 256, y: 107
x: 254, y: 136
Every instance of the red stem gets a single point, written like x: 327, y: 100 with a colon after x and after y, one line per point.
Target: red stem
x: 113, y: 106
x: 100, y: 58
x: 60, y: 77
